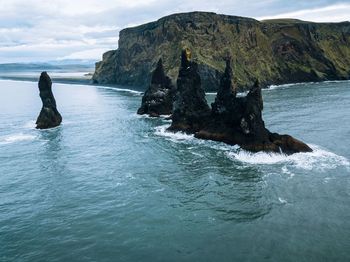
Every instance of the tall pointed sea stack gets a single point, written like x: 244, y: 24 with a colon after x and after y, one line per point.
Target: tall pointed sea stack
x: 190, y: 109
x: 232, y: 120
x: 159, y: 97
x: 49, y: 116
x: 238, y: 120
x: 224, y: 102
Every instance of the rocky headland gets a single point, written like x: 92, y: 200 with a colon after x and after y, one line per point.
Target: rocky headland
x: 274, y: 51
x: 49, y: 116
x: 232, y: 120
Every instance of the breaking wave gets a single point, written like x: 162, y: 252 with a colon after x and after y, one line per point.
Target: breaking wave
x: 16, y: 138
x: 319, y: 159
x: 121, y: 90
x: 175, y: 137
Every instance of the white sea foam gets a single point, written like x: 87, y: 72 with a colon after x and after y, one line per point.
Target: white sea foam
x: 165, y: 116
x: 121, y: 90
x: 175, y: 137
x: 238, y: 94
x: 142, y: 116
x: 272, y: 87
x: 196, y: 154
x: 327, y: 179
x: 162, y: 117
x: 30, y: 124
x: 319, y: 159
x: 16, y: 138
x: 282, y: 201
x: 286, y: 171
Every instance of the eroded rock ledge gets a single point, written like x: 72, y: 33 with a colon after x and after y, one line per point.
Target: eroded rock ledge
x: 232, y: 120
x: 49, y: 116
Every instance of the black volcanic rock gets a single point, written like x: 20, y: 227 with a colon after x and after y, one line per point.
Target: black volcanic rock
x: 224, y: 101
x: 233, y: 120
x: 159, y: 97
x: 190, y: 106
x: 49, y: 116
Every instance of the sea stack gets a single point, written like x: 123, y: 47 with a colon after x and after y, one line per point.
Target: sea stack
x: 232, y: 120
x: 159, y: 97
x: 49, y: 116
x: 190, y: 111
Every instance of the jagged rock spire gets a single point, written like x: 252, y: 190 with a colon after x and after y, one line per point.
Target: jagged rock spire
x: 190, y: 106
x: 159, y: 97
x: 49, y: 115
x: 255, y: 93
x: 158, y: 76
x: 226, y: 92
x: 227, y: 79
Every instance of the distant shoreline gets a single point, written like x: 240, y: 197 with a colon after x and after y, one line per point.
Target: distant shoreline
x: 55, y: 80
x: 140, y: 90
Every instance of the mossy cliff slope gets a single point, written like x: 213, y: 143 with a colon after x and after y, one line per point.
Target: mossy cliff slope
x: 274, y: 51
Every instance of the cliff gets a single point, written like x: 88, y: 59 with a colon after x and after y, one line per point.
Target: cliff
x: 274, y: 51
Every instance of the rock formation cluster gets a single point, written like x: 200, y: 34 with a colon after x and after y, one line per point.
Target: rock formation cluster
x: 49, y: 116
x: 231, y: 119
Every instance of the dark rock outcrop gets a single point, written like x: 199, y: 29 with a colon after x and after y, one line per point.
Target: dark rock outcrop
x: 49, y: 116
x: 274, y: 51
x: 159, y: 97
x: 190, y: 106
x: 233, y: 120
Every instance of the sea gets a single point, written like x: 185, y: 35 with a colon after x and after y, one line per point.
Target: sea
x: 109, y: 185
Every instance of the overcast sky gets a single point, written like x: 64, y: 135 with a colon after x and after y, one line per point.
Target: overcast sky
x: 42, y: 30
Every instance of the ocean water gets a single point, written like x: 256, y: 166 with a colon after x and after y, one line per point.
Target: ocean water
x: 69, y: 75
x: 108, y: 185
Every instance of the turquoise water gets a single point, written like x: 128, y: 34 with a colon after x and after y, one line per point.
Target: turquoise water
x: 109, y: 185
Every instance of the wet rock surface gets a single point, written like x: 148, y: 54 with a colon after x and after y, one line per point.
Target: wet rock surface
x: 191, y: 110
x: 159, y: 97
x: 232, y: 120
x: 49, y: 116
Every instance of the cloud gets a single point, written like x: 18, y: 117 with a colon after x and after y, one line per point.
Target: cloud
x: 41, y: 30
x: 333, y: 13
x: 89, y: 54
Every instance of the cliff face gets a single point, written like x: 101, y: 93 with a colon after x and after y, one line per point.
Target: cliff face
x: 274, y: 51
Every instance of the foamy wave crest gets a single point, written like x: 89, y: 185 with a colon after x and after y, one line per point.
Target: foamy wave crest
x: 319, y: 159
x: 30, y: 125
x: 239, y: 94
x: 273, y: 87
x: 16, y: 138
x: 162, y: 117
x: 121, y: 90
x: 175, y: 137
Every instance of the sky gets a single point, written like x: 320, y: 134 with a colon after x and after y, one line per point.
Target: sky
x: 57, y: 30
